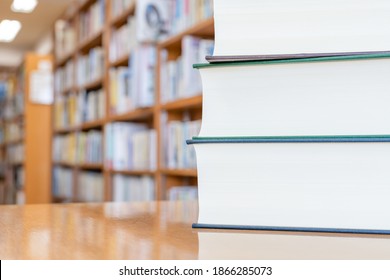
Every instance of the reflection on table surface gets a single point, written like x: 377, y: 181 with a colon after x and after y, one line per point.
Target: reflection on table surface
x: 160, y: 230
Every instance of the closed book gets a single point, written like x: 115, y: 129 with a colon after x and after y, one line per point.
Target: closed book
x: 312, y: 183
x: 291, y: 246
x: 267, y: 27
x: 343, y: 95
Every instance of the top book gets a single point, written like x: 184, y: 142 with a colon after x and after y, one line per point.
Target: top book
x: 269, y: 27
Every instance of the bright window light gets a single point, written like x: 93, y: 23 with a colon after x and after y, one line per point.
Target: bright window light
x: 9, y: 29
x: 24, y: 6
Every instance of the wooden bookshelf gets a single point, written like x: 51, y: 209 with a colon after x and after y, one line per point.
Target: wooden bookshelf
x: 28, y: 177
x: 151, y: 116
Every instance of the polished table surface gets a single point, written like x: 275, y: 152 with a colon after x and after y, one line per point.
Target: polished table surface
x: 160, y: 230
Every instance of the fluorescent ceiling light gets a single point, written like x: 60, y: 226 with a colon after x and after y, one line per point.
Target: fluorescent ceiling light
x: 24, y: 6
x: 9, y: 29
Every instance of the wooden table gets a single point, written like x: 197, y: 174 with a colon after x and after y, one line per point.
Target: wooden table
x: 160, y: 230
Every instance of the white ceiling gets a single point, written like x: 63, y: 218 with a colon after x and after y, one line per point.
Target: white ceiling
x: 35, y: 26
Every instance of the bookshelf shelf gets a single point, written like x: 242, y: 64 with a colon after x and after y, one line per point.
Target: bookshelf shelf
x: 14, y: 119
x: 64, y: 59
x: 184, y: 104
x: 133, y: 172
x: 64, y: 163
x: 65, y: 130
x: 122, y: 61
x: 202, y: 29
x: 90, y: 166
x: 94, y: 84
x: 14, y: 142
x: 93, y: 41
x: 17, y: 163
x: 122, y: 18
x: 84, y: 5
x: 69, y: 90
x: 180, y: 172
x: 60, y: 199
x: 137, y: 114
x: 92, y: 124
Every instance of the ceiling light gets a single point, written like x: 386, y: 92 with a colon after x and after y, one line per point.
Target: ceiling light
x: 9, y: 29
x: 24, y: 6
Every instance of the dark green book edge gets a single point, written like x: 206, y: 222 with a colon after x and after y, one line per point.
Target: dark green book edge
x: 292, y: 139
x: 298, y: 229
x: 368, y: 55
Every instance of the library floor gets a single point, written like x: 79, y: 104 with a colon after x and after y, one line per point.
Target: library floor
x: 160, y: 230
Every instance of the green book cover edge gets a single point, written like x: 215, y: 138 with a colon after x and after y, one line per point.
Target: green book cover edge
x: 324, y: 137
x: 295, y: 60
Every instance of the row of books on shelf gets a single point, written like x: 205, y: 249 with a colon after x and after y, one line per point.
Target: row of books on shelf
x: 178, y: 78
x: 65, y: 38
x: 81, y: 147
x: 2, y: 164
x: 177, y: 155
x: 90, y: 67
x: 133, y: 188
x: 187, y: 13
x: 123, y: 40
x: 5, y: 89
x: 2, y: 134
x: 15, y: 154
x: 183, y: 193
x: 92, y: 20
x: 91, y: 187
x: 130, y: 146
x: 124, y: 187
x: 11, y: 132
x: 64, y: 77
x: 74, y: 109
x: 157, y: 20
x: 11, y: 186
x: 13, y: 106
x: 19, y: 177
x: 134, y: 86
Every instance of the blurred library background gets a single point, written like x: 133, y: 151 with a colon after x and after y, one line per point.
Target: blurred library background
x: 97, y: 98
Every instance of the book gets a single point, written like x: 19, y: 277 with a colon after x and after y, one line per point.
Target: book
x: 344, y: 95
x: 123, y: 40
x: 187, y: 13
x: 178, y: 78
x: 141, y: 76
x: 133, y: 188
x: 289, y: 246
x: 130, y: 146
x: 266, y: 27
x: 62, y: 183
x: 176, y: 154
x: 90, y: 187
x: 327, y: 184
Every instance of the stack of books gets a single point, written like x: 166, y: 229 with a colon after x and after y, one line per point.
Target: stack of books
x: 295, y: 132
